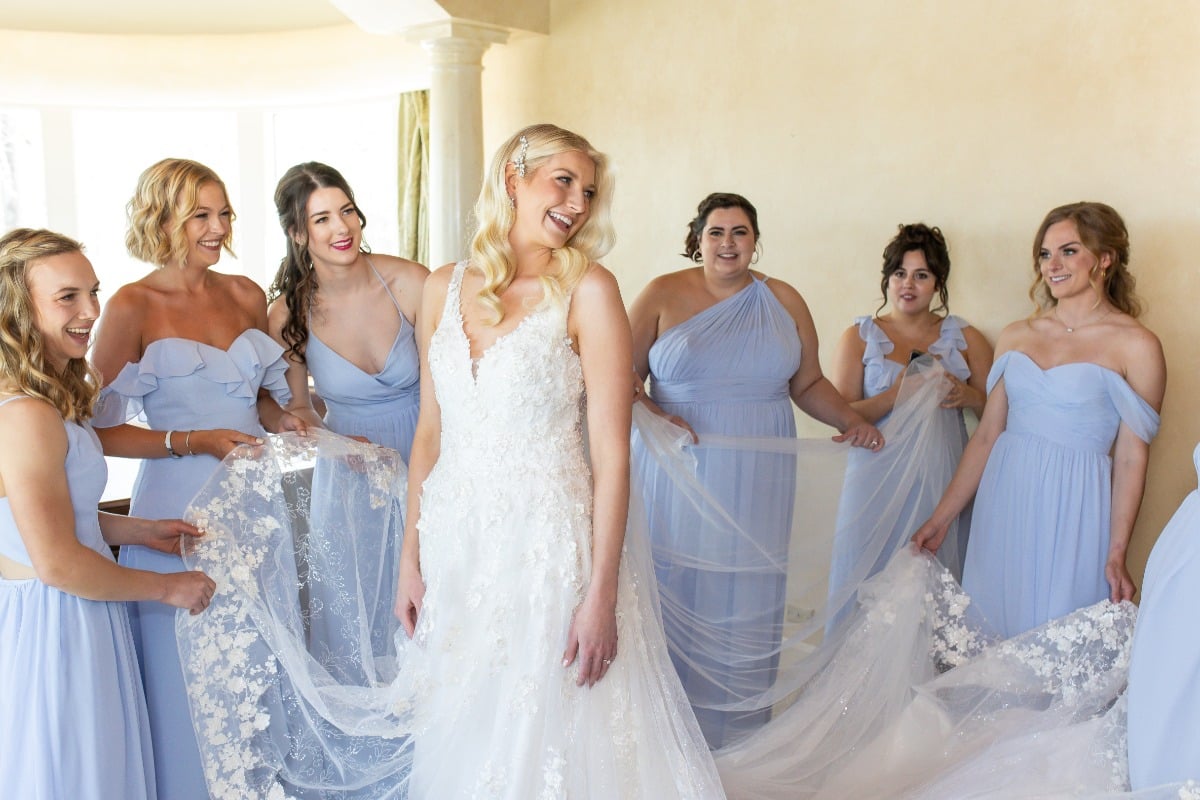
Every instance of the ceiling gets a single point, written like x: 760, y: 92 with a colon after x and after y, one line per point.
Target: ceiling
x: 168, y: 17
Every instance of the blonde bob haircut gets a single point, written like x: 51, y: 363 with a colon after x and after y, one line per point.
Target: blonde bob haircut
x: 490, y: 251
x: 1101, y: 231
x: 166, y: 197
x: 23, y: 360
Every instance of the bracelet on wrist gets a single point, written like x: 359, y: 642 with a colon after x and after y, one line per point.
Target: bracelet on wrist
x: 167, y: 443
x: 187, y: 443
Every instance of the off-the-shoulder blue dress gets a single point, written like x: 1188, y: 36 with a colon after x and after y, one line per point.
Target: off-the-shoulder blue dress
x: 1040, y: 527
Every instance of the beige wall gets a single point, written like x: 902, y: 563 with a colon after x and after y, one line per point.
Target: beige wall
x: 841, y: 119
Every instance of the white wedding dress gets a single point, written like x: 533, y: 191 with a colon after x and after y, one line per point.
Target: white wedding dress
x: 506, y: 553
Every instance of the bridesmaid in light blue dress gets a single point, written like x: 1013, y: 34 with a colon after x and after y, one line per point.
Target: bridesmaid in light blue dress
x: 728, y: 351
x: 1059, y: 459
x: 186, y: 350
x: 1164, y: 691
x: 73, y: 719
x: 346, y: 319
x: 870, y: 359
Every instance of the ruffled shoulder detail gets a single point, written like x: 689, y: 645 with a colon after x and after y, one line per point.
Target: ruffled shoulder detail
x: 878, y: 344
x: 1135, y: 412
x: 950, y: 346
x: 253, y: 360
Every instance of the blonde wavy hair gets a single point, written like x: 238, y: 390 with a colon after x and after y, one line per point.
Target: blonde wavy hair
x: 490, y: 251
x: 167, y: 195
x: 1101, y: 230
x: 23, y: 359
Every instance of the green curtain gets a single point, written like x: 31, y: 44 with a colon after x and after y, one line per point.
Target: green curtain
x: 414, y: 176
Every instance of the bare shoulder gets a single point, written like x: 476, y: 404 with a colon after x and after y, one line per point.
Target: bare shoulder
x: 243, y: 288
x: 851, y: 341
x: 277, y: 315
x: 439, y: 279
x: 1142, y: 361
x: 975, y: 339
x: 596, y: 301
x: 662, y: 288
x: 1137, y: 336
x: 400, y: 273
x: 784, y: 292
x: 596, y: 283
x: 130, y: 301
x: 433, y: 292
x: 1015, y: 335
x: 1139, y: 346
x: 28, y: 419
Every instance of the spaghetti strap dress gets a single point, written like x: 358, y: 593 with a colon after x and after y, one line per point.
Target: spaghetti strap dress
x: 382, y: 407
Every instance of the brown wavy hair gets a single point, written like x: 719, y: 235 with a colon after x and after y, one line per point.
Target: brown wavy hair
x: 930, y: 243
x: 167, y: 195
x: 1101, y: 230
x: 296, y: 280
x: 22, y: 349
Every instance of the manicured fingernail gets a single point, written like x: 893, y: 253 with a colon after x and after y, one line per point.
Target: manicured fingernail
x: 565, y: 662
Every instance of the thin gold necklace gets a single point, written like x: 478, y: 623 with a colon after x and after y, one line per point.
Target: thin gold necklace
x: 1084, y: 324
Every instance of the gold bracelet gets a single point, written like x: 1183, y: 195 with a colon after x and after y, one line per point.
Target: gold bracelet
x: 187, y: 443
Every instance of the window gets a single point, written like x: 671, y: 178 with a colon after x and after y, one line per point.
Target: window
x: 74, y: 171
x: 22, y: 176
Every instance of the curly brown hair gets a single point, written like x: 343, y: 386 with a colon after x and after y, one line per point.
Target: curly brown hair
x: 930, y: 243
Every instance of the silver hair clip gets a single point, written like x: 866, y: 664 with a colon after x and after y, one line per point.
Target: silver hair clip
x: 519, y: 161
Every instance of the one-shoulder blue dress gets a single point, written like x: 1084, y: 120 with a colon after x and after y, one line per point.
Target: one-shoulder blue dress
x: 1040, y: 527
x: 72, y: 715
x: 1164, y: 670
x: 868, y: 473
x: 182, y: 384
x: 726, y: 371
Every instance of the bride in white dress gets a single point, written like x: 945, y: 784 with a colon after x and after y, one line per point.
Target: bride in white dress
x: 547, y: 671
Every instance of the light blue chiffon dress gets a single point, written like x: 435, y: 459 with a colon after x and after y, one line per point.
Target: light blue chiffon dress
x: 182, y: 384
x: 381, y: 407
x: 1040, y: 528
x: 867, y: 472
x: 72, y: 715
x: 1164, y: 671
x: 726, y: 371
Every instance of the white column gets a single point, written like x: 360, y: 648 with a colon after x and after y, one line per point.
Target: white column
x: 455, y: 130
